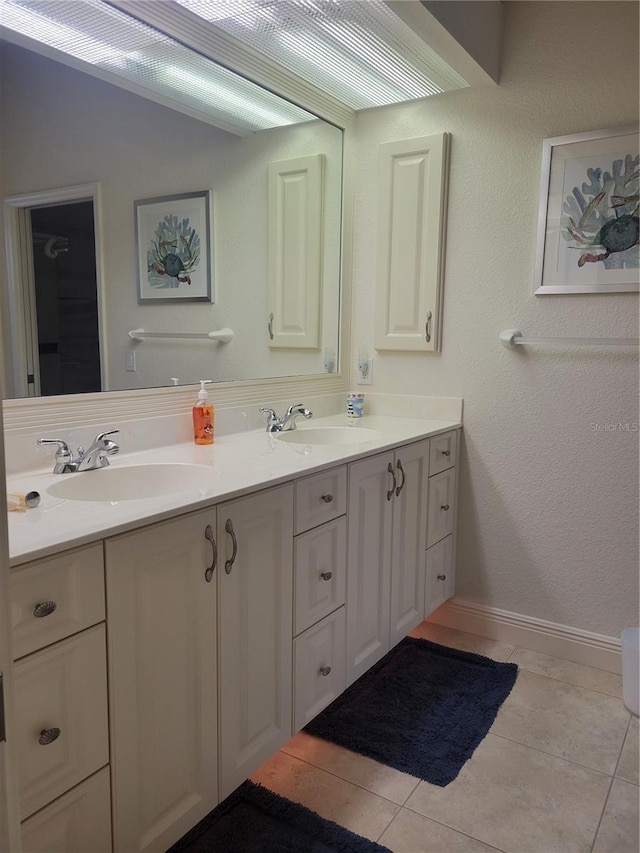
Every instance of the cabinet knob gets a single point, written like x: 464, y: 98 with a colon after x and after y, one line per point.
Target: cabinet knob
x: 48, y: 736
x: 327, y: 498
x: 446, y: 453
x: 445, y: 507
x: 324, y: 670
x: 326, y: 576
x: 442, y: 577
x: 44, y: 608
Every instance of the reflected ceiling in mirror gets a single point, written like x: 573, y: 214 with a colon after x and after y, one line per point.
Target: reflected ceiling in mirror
x: 63, y: 128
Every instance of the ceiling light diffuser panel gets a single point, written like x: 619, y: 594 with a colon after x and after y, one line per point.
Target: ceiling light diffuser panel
x: 359, y: 51
x: 116, y: 47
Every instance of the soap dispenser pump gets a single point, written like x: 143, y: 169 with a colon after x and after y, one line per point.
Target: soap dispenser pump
x: 203, y: 416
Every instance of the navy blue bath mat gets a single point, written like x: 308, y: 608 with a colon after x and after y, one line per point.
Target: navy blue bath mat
x: 422, y: 709
x: 255, y: 820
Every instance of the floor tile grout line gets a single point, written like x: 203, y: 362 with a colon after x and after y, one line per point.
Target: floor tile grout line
x: 570, y: 683
x: 387, y: 826
x: 553, y: 755
x: 453, y: 828
x: 349, y: 781
x: 602, y: 811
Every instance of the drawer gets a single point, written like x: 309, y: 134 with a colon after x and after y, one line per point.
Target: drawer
x: 320, y: 498
x: 66, y: 590
x: 441, y: 506
x: 78, y: 821
x: 320, y: 573
x: 60, y: 689
x: 443, y: 450
x: 319, y: 667
x: 439, y: 574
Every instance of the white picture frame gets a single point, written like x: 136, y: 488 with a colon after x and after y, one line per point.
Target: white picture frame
x: 589, y: 184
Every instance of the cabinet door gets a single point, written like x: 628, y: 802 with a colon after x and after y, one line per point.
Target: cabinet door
x: 319, y: 667
x: 439, y: 574
x: 409, y: 540
x: 256, y: 620
x: 162, y: 673
x: 320, y: 573
x: 441, y: 512
x: 370, y: 508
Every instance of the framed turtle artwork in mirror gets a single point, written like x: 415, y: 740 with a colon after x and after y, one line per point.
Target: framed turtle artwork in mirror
x: 173, y: 244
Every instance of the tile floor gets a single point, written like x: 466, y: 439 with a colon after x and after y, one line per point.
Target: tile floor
x: 558, y: 771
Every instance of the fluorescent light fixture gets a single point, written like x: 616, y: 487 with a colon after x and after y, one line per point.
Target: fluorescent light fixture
x: 359, y: 51
x: 120, y: 49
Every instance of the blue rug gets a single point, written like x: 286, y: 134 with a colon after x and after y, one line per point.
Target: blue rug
x: 255, y: 820
x: 422, y: 709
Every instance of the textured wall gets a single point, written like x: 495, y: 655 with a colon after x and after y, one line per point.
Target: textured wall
x: 548, y: 514
x: 62, y: 128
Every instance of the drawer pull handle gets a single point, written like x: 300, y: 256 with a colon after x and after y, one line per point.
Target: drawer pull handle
x: 325, y: 670
x: 44, y: 608
x: 427, y: 327
x: 208, y: 534
x: 48, y: 736
x: 442, y: 577
x: 393, y: 488
x: 229, y: 563
x: 446, y: 453
x: 327, y: 498
x: 445, y: 507
x: 326, y: 576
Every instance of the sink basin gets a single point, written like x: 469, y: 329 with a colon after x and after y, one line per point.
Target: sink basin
x: 133, y: 482
x: 329, y: 435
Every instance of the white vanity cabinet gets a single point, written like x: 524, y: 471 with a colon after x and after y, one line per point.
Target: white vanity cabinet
x: 161, y: 602
x: 255, y: 565
x: 387, y: 530
x: 60, y: 702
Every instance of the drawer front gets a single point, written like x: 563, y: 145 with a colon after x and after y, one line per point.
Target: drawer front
x: 319, y: 667
x: 67, y: 591
x: 60, y: 688
x: 77, y: 822
x: 443, y: 450
x: 441, y: 512
x: 320, y: 498
x: 439, y: 572
x: 320, y: 573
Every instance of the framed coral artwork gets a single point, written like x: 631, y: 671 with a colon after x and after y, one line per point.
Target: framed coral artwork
x: 588, y: 216
x: 173, y: 244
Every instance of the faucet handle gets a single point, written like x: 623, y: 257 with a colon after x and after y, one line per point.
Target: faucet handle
x: 101, y: 436
x: 269, y: 411
x: 63, y: 447
x: 293, y: 408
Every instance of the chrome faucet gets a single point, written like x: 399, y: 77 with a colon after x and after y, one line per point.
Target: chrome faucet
x: 96, y: 455
x: 287, y: 422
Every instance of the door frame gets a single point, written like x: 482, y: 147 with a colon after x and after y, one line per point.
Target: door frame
x: 21, y: 281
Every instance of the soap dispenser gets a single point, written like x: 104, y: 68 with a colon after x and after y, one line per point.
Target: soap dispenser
x: 203, y: 416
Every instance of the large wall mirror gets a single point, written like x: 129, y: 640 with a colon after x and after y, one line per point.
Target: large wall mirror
x: 62, y: 130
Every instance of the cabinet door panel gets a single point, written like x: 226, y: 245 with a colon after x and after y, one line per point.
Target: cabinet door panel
x: 162, y: 665
x: 256, y: 622
x: 63, y: 687
x: 441, y: 506
x: 320, y: 573
x: 439, y: 574
x: 75, y: 823
x: 319, y: 667
x: 409, y: 540
x: 443, y: 452
x: 369, y: 563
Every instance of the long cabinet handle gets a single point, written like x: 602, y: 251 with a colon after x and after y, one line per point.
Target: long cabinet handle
x: 208, y: 534
x: 228, y: 565
x: 427, y: 327
x: 404, y: 478
x: 270, y: 327
x: 393, y: 488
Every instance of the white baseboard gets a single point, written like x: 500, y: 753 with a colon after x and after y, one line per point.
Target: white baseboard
x: 549, y: 638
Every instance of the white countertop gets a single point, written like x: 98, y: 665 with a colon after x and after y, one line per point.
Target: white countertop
x: 239, y: 464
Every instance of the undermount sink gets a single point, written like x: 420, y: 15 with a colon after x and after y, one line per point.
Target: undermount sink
x: 133, y: 482
x: 329, y: 435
